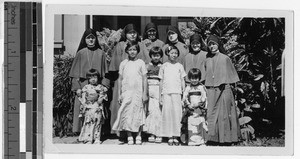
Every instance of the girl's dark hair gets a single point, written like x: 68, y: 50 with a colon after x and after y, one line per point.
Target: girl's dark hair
x: 92, y: 72
x: 127, y: 29
x: 194, y: 73
x: 171, y: 47
x: 156, y: 50
x: 130, y: 44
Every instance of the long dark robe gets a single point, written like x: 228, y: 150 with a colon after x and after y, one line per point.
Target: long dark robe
x: 223, y: 126
x: 84, y: 60
x: 145, y: 48
x: 194, y: 61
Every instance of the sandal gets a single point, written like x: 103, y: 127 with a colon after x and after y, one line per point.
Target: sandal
x: 138, y: 140
x: 151, y: 139
x: 170, y: 142
x: 176, y: 142
x: 130, y: 140
x: 88, y: 142
x: 97, y: 142
x: 158, y: 140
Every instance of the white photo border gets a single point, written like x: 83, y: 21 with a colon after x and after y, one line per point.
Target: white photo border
x: 78, y: 9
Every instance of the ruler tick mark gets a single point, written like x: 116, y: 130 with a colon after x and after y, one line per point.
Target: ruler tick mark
x: 13, y: 112
x: 13, y: 84
x: 13, y: 140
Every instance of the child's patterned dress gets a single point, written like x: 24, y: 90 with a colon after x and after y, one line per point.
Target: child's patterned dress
x: 92, y: 111
x: 195, y: 99
x: 154, y: 118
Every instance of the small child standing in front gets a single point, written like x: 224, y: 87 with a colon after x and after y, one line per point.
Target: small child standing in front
x: 194, y: 99
x: 172, y: 85
x: 91, y: 98
x: 132, y: 95
x: 153, y: 120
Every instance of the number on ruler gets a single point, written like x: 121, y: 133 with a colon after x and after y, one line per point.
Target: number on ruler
x: 13, y: 14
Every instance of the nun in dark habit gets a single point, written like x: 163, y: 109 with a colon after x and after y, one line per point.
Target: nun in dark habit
x: 220, y: 77
x: 88, y: 56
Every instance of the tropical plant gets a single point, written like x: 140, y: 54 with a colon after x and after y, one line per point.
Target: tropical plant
x: 247, y: 130
x: 203, y: 25
x: 107, y: 40
x: 255, y: 46
x: 63, y: 97
x: 264, y: 43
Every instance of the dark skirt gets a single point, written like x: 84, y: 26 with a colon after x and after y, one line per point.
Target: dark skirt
x: 114, y: 105
x: 223, y: 125
x: 77, y: 121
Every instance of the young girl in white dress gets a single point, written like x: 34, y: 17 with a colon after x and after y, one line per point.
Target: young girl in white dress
x: 132, y: 95
x: 172, y: 76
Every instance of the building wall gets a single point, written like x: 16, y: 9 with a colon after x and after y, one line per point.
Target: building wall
x: 74, y: 27
x: 69, y: 29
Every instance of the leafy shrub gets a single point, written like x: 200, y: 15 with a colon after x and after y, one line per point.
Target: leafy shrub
x: 255, y: 46
x: 63, y: 97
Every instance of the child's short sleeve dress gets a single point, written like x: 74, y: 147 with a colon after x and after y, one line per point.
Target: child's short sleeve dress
x: 131, y: 114
x: 171, y: 74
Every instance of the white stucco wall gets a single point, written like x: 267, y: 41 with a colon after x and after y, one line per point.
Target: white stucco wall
x: 73, y: 29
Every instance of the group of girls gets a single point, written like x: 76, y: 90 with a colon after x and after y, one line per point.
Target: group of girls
x: 166, y: 90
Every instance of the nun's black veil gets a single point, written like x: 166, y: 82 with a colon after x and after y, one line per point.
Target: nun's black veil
x: 83, y: 44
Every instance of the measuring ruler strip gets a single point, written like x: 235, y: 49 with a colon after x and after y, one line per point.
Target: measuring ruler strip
x: 22, y: 105
x: 23, y: 71
x: 37, y: 85
x: 29, y: 75
x: 34, y: 83
x: 39, y: 81
x: 12, y: 69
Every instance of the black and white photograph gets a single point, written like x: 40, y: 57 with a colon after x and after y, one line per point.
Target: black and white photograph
x: 181, y: 82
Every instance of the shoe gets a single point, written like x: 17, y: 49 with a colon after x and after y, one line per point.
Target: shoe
x: 130, y: 140
x: 151, y: 138
x: 88, y: 142
x: 158, y: 140
x: 138, y: 140
x: 176, y: 142
x: 97, y: 142
x: 193, y: 144
x: 170, y: 142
